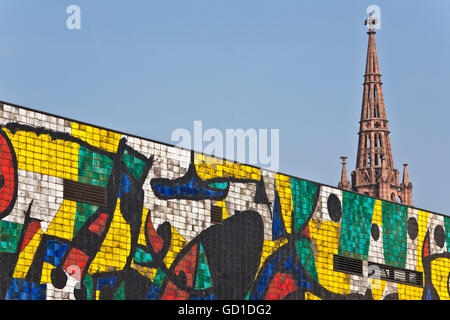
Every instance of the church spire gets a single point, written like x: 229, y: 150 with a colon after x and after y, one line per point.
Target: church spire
x: 375, y: 174
x: 374, y: 148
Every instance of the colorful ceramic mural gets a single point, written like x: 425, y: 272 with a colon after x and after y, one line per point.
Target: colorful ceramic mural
x: 88, y: 213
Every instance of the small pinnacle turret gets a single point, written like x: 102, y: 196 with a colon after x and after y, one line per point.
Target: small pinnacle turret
x: 344, y: 183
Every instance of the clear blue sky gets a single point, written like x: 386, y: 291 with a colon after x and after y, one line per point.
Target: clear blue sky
x: 150, y: 67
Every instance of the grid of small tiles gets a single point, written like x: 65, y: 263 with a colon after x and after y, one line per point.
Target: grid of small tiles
x: 299, y: 256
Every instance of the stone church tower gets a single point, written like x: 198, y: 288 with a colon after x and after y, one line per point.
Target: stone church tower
x: 375, y: 174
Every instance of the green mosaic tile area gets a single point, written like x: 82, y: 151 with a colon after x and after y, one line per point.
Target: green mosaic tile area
x: 447, y: 232
x: 94, y: 168
x: 89, y: 284
x: 303, y: 196
x: 135, y: 165
x: 141, y: 256
x: 120, y: 293
x: 203, y: 279
x: 306, y: 256
x: 84, y: 211
x: 356, y: 221
x: 219, y: 185
x: 395, y: 234
x: 159, y: 277
x: 9, y: 236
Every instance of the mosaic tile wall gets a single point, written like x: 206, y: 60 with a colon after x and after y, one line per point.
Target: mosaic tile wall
x: 89, y: 213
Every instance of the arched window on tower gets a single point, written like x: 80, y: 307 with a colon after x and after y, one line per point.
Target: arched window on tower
x: 376, y: 107
x: 367, y: 142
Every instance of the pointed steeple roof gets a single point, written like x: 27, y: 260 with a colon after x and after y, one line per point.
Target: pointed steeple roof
x: 372, y: 66
x: 374, y: 149
x: 375, y: 174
